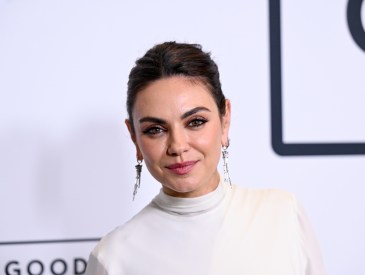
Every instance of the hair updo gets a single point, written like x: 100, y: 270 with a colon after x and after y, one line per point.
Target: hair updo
x: 175, y: 59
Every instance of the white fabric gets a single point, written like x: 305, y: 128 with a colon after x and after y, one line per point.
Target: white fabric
x: 226, y: 232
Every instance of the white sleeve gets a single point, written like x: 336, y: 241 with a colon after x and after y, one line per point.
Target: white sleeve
x: 315, y: 264
x: 95, y: 267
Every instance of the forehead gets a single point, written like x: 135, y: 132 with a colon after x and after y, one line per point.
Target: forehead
x: 173, y: 95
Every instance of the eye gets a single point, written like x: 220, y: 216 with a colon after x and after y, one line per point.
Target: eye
x: 153, y: 131
x: 197, y: 122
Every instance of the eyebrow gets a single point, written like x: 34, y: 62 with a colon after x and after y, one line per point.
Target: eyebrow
x: 183, y: 116
x: 152, y: 119
x: 194, y: 111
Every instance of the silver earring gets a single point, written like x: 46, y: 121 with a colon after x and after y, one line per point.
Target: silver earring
x: 227, y: 178
x: 137, y: 184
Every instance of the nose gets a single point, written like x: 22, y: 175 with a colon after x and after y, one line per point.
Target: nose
x: 178, y: 143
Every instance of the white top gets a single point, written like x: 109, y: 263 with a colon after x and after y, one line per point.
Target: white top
x: 226, y: 232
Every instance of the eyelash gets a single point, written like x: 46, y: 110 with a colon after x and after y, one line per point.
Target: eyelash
x: 153, y: 131
x: 197, y: 122
x: 193, y: 123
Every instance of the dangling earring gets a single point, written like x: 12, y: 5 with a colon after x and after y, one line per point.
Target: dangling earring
x: 227, y: 178
x: 138, y: 177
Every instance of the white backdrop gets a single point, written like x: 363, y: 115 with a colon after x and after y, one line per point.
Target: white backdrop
x: 66, y: 161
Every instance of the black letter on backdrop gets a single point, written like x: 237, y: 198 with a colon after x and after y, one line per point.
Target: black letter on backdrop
x: 354, y: 22
x: 77, y: 270
x: 15, y: 271
x: 63, y: 263
x: 41, y: 267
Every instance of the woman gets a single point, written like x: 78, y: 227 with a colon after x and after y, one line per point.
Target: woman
x: 198, y: 224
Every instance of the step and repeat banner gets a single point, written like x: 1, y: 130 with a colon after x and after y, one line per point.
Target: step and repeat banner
x: 294, y: 71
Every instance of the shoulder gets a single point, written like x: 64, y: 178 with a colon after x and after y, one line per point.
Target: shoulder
x: 115, y: 243
x: 264, y: 210
x: 266, y: 204
x: 263, y: 197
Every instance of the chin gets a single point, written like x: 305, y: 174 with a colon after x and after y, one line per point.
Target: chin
x: 182, y: 190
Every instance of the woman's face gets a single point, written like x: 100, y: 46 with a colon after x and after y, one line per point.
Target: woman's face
x: 179, y: 134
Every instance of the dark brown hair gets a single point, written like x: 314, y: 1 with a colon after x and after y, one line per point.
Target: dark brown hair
x: 175, y: 59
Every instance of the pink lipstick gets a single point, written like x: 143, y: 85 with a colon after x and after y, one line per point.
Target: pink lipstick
x: 181, y: 168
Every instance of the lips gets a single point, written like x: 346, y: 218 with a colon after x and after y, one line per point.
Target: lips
x: 181, y: 168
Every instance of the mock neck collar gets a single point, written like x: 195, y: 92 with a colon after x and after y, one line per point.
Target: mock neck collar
x: 190, y: 206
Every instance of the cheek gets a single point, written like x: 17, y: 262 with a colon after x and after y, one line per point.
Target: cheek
x: 210, y: 142
x: 151, y: 150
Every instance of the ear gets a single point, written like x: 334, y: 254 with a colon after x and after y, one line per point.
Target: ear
x: 226, y: 122
x: 133, y: 137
